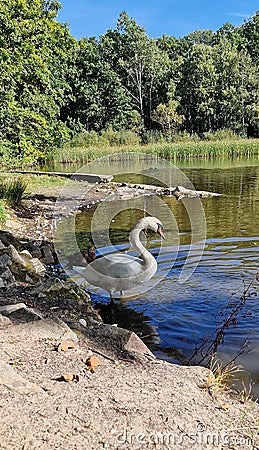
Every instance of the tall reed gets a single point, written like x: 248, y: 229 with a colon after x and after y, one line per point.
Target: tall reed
x: 175, y: 151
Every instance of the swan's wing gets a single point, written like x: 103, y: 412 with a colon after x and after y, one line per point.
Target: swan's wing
x: 117, y: 265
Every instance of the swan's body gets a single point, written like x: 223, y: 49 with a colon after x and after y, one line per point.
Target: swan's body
x: 120, y: 271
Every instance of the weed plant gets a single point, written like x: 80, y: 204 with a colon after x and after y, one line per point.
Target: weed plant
x: 12, y: 190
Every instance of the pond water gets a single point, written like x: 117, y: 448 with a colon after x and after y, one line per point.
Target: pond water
x: 204, y: 264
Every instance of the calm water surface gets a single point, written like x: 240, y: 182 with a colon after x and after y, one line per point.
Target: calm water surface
x: 181, y: 315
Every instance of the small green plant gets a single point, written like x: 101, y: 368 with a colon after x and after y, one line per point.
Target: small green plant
x: 12, y: 190
x: 3, y: 214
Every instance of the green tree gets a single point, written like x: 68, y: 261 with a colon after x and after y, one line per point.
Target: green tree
x: 167, y: 117
x: 33, y: 49
x: 237, y: 89
x: 143, y: 68
x: 99, y: 100
x: 196, y: 89
x: 250, y: 30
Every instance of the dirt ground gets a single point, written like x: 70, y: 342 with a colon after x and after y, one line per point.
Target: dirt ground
x: 131, y: 401
x: 128, y: 403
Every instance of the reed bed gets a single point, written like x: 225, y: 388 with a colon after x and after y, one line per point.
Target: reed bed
x: 174, y: 151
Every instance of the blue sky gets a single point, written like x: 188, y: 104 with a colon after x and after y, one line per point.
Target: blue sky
x: 158, y: 17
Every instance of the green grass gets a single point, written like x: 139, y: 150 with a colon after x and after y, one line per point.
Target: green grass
x: 174, y: 151
x: 12, y: 189
x: 3, y: 213
x: 32, y: 182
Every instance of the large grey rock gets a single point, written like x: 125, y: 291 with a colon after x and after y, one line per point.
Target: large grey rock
x: 118, y: 338
x: 11, y: 380
x: 19, y: 312
x: 45, y: 329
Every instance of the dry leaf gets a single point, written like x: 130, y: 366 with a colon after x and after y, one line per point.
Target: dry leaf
x: 224, y: 406
x: 65, y: 345
x: 68, y: 377
x: 92, y: 362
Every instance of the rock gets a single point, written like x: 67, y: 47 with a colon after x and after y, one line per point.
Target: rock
x: 36, y: 252
x: 24, y: 315
x: 8, y: 309
x: 135, y: 344
x: 25, y: 254
x: 2, y: 284
x: 23, y: 261
x: 45, y: 329
x: 12, y: 224
x: 10, y: 379
x: 47, y: 254
x: 7, y: 277
x: 118, y: 338
x: 28, y: 279
x: 19, y: 313
x: 4, y: 321
x: 36, y: 267
x: 4, y: 260
x: 83, y: 322
x: 7, y: 238
x: 61, y: 288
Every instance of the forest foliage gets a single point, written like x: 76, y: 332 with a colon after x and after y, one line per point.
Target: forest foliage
x: 53, y: 87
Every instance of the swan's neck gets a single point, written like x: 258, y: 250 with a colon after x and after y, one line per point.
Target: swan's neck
x: 134, y: 239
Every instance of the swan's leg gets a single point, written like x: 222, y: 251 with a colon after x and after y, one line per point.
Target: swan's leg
x: 111, y: 299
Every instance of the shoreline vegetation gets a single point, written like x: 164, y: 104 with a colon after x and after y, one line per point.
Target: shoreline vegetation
x: 174, y: 151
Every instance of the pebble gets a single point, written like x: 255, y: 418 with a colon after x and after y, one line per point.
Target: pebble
x: 83, y: 322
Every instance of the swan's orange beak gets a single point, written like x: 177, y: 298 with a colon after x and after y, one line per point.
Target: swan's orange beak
x: 160, y: 232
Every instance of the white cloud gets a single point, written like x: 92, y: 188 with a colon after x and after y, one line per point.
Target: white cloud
x: 244, y: 16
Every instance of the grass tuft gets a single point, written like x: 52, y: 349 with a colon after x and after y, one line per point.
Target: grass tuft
x: 12, y: 189
x: 220, y: 376
x: 3, y: 213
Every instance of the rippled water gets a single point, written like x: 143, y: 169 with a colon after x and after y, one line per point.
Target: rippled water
x: 184, y: 314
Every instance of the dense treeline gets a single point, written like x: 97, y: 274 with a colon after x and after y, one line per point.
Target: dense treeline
x: 53, y: 87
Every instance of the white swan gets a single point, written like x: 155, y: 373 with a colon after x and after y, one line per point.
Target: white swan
x: 120, y: 271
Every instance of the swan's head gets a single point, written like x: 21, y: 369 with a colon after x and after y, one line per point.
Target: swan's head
x: 152, y: 223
